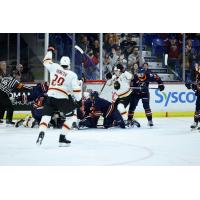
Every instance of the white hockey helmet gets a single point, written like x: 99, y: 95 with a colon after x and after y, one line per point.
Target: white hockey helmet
x: 65, y: 62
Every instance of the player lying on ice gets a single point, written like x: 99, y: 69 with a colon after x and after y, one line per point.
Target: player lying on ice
x: 94, y: 107
x: 38, y: 97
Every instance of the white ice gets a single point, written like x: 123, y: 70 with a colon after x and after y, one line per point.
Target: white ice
x: 170, y: 142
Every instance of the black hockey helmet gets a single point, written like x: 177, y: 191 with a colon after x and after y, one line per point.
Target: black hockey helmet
x: 94, y: 94
x: 120, y: 67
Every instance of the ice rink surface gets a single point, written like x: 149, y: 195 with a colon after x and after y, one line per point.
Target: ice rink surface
x: 170, y: 143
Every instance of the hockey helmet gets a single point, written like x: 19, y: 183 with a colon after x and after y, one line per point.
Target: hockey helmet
x: 119, y: 68
x: 65, y: 62
x: 94, y: 94
x: 141, y: 72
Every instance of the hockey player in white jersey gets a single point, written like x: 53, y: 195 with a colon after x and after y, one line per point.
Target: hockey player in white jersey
x: 64, y: 95
x: 120, y: 82
x: 122, y: 92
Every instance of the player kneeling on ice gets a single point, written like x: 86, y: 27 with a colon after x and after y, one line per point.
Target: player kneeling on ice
x: 63, y: 84
x: 95, y: 107
x: 38, y: 96
x: 196, y: 88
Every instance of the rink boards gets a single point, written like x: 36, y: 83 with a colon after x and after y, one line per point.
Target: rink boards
x: 175, y: 100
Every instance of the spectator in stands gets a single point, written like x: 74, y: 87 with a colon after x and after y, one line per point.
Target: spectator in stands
x: 3, y: 67
x: 190, y: 55
x: 134, y: 58
x: 91, y: 66
x: 116, y: 39
x: 108, y: 45
x: 134, y: 69
x: 107, y: 66
x: 85, y: 44
x: 23, y: 73
x: 26, y: 74
x: 146, y: 67
x: 173, y: 51
x: 118, y: 56
x: 127, y: 45
x: 173, y: 57
x: 95, y: 47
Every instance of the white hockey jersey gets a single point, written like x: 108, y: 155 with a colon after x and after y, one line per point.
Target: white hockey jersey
x: 62, y: 82
x: 124, y: 80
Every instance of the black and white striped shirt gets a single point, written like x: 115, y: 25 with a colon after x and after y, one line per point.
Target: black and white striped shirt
x: 7, y: 84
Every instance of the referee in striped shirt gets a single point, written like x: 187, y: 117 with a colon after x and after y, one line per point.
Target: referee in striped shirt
x: 7, y: 84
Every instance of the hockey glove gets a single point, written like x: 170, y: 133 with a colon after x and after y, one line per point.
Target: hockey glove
x: 194, y: 86
x: 161, y: 87
x: 144, y: 88
x: 188, y: 85
x: 108, y: 76
x: 116, y: 85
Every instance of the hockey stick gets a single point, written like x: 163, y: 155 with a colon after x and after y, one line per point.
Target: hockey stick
x: 102, y: 88
x: 142, y: 87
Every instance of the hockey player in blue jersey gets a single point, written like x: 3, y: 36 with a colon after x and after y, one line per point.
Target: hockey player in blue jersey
x: 96, y: 107
x: 196, y: 88
x: 38, y: 96
x: 140, y: 90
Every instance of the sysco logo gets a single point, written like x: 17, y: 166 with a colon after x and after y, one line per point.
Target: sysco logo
x: 174, y: 97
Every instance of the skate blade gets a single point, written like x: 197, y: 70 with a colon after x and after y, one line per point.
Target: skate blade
x: 194, y: 129
x: 64, y: 144
x: 39, y: 141
x: 10, y: 125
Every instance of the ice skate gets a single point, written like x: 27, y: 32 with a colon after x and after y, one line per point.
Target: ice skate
x: 40, y: 138
x: 132, y: 123
x: 19, y: 123
x: 74, y: 125
x: 150, y: 123
x: 34, y: 124
x: 194, y: 126
x: 198, y: 127
x: 9, y: 123
x: 63, y: 142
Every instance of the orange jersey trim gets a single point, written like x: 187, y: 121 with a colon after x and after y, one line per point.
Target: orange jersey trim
x: 65, y: 126
x: 76, y: 90
x: 44, y: 124
x: 124, y: 93
x: 58, y: 90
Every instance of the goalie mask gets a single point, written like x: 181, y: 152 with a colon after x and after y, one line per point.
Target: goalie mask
x: 65, y: 62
